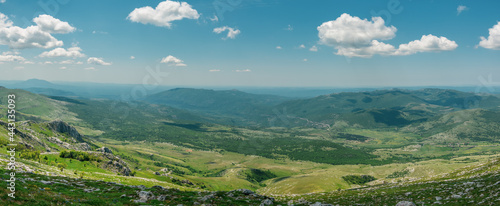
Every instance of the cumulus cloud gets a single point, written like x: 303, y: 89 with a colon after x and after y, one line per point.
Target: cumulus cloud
x: 73, y: 52
x: 427, y: 43
x: 302, y: 46
x: 214, y: 70
x: 278, y: 47
x: 171, y: 60
x: 97, y: 61
x: 90, y: 68
x: 63, y: 68
x: 356, y: 37
x: 163, y: 14
x: 231, y: 34
x: 3, y: 1
x: 375, y: 47
x: 4, y: 21
x: 36, y: 36
x: 313, y: 49
x: 351, y: 31
x: 132, y: 57
x: 493, y: 40
x: 460, y: 9
x: 52, y: 25
x: 10, y: 57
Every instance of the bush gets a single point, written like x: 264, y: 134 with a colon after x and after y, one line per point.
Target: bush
x: 358, y: 179
x: 78, y: 155
x: 399, y: 174
x: 61, y: 166
x: 30, y: 154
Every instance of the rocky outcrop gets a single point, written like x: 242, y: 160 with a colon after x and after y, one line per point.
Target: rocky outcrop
x: 104, y: 150
x: 63, y: 127
x: 117, y: 165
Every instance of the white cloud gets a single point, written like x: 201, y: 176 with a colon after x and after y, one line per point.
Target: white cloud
x: 99, y: 32
x: 493, y: 40
x: 63, y: 68
x: 428, y: 43
x: 38, y: 36
x: 244, y: 70
x: 278, y: 47
x: 289, y: 28
x: 46, y: 62
x: 97, y: 61
x: 28, y: 62
x: 355, y: 37
x: 11, y: 53
x: 232, y: 33
x: 375, y: 47
x: 214, y: 19
x: 214, y: 70
x: 68, y: 62
x: 302, y: 46
x: 173, y: 61
x: 313, y: 49
x: 90, y: 68
x: 461, y: 8
x: 3, y: 1
x: 163, y: 14
x: 19, y: 68
x: 348, y: 31
x: 305, y: 60
x: 52, y: 25
x: 7, y: 57
x: 73, y: 52
x: 4, y: 21
x: 132, y: 57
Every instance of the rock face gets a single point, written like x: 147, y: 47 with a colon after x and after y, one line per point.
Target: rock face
x: 118, y: 166
x: 105, y: 150
x: 63, y: 127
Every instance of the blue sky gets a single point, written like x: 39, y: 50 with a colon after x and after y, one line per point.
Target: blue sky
x: 252, y: 43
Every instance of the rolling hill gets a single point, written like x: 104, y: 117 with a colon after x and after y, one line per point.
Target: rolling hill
x: 242, y: 108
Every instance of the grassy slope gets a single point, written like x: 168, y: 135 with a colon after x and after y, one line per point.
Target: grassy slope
x: 476, y: 185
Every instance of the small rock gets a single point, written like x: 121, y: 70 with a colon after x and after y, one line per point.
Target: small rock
x: 405, y: 203
x: 46, y: 182
x: 144, y: 196
x: 245, y: 191
x: 408, y: 194
x: 456, y: 196
x: 161, y: 198
x: 207, y: 197
x: 266, y: 202
x: 157, y: 187
x: 438, y: 198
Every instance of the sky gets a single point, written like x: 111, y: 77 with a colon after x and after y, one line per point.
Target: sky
x: 275, y: 43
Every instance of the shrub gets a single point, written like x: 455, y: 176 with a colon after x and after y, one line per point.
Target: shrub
x: 358, y: 179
